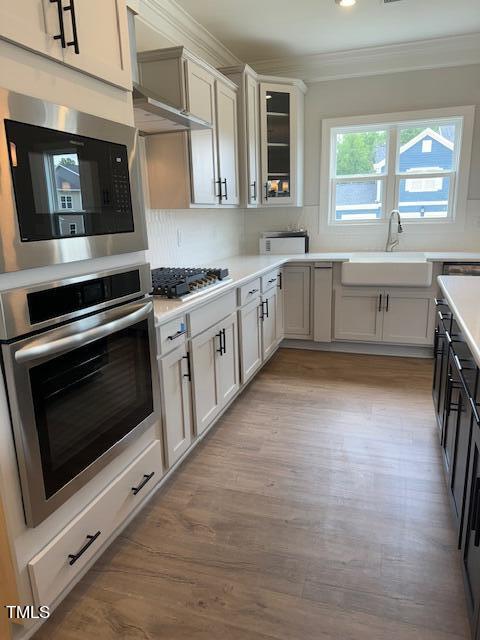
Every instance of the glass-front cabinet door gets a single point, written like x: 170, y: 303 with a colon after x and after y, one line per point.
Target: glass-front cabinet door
x: 281, y: 177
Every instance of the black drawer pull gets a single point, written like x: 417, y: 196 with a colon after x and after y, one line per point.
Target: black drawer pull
x: 250, y: 293
x: 272, y: 280
x: 179, y: 333
x: 146, y: 478
x: 60, y: 36
x: 280, y: 280
x: 73, y: 43
x: 188, y: 375
x: 226, y: 191
x: 73, y: 557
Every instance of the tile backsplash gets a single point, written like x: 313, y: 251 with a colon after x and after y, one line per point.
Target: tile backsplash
x: 190, y: 237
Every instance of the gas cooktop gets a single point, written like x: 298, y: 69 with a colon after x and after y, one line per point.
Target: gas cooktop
x: 183, y: 284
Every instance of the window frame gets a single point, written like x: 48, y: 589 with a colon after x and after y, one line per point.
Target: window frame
x: 392, y: 122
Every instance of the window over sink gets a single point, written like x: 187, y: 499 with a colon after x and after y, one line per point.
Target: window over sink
x: 416, y: 162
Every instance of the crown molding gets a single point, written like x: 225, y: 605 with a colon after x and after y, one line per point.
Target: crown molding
x: 174, y: 24
x: 451, y: 51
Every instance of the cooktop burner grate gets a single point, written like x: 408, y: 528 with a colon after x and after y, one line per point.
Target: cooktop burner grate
x: 175, y: 282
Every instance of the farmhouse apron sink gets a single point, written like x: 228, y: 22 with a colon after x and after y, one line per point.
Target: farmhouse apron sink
x: 400, y: 269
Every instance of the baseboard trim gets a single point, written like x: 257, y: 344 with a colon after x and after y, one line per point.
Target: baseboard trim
x: 403, y: 351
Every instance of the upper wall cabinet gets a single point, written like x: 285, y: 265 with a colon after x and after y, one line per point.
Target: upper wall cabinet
x: 201, y: 167
x: 281, y: 126
x: 271, y: 130
x: 90, y: 37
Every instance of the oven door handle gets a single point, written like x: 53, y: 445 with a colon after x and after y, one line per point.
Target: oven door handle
x: 42, y: 349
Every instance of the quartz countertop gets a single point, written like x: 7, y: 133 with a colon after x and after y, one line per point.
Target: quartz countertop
x: 462, y: 294
x: 243, y: 268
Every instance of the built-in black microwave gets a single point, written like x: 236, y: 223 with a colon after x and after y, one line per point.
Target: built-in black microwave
x: 67, y: 185
x: 72, y: 190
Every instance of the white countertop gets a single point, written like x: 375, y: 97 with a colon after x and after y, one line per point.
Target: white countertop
x: 246, y: 267
x: 463, y: 296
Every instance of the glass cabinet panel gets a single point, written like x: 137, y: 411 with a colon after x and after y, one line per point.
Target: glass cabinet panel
x: 278, y: 114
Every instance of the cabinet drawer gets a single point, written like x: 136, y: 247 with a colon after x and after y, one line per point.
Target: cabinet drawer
x: 269, y: 280
x: 205, y: 317
x: 50, y: 570
x: 171, y: 335
x: 249, y: 292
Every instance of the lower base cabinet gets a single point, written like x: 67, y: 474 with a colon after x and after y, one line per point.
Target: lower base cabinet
x: 250, y: 332
x: 296, y: 287
x: 280, y: 307
x: 471, y: 534
x: 174, y: 370
x: 394, y: 316
x: 269, y: 322
x: 215, y: 370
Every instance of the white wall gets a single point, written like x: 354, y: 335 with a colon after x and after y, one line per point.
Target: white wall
x: 189, y: 238
x: 369, y: 95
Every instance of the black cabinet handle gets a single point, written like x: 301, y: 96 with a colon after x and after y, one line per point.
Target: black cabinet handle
x: 226, y: 190
x: 250, y: 293
x: 254, y: 185
x: 73, y: 43
x: 476, y: 513
x: 219, y: 335
x: 188, y: 375
x: 272, y: 280
x: 262, y: 314
x: 266, y: 191
x: 73, y: 557
x: 179, y: 333
x: 280, y: 284
x: 266, y: 313
x: 60, y: 36
x: 146, y: 478
x: 220, y: 194
x: 380, y: 302
x: 224, y: 341
x: 388, y: 302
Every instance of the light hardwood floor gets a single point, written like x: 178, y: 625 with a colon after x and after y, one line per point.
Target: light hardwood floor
x: 315, y: 509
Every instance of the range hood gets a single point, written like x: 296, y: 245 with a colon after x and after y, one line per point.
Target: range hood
x: 152, y: 115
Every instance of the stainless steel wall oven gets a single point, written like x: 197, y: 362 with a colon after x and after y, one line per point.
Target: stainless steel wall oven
x: 79, y: 361
x: 70, y: 185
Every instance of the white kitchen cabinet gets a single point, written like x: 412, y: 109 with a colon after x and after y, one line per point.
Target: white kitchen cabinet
x: 322, y: 301
x: 206, y: 393
x: 228, y: 364
x: 296, y: 285
x: 203, y: 144
x: 280, y: 308
x: 252, y: 140
x: 103, y: 42
x: 215, y: 370
x: 409, y: 317
x: 394, y: 315
x: 248, y: 132
x: 99, y: 46
x: 210, y: 177
x: 250, y: 334
x: 227, y: 141
x: 269, y: 322
x: 174, y: 371
x: 358, y: 314
x: 32, y: 24
x: 281, y: 135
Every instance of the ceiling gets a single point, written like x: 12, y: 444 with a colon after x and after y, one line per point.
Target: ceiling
x: 257, y: 30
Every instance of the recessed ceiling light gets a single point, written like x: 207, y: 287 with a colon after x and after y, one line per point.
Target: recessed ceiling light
x: 346, y: 3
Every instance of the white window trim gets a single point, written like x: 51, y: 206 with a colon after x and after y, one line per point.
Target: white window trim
x: 459, y: 205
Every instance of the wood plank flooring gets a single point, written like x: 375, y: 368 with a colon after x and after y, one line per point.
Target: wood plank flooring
x: 315, y: 509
